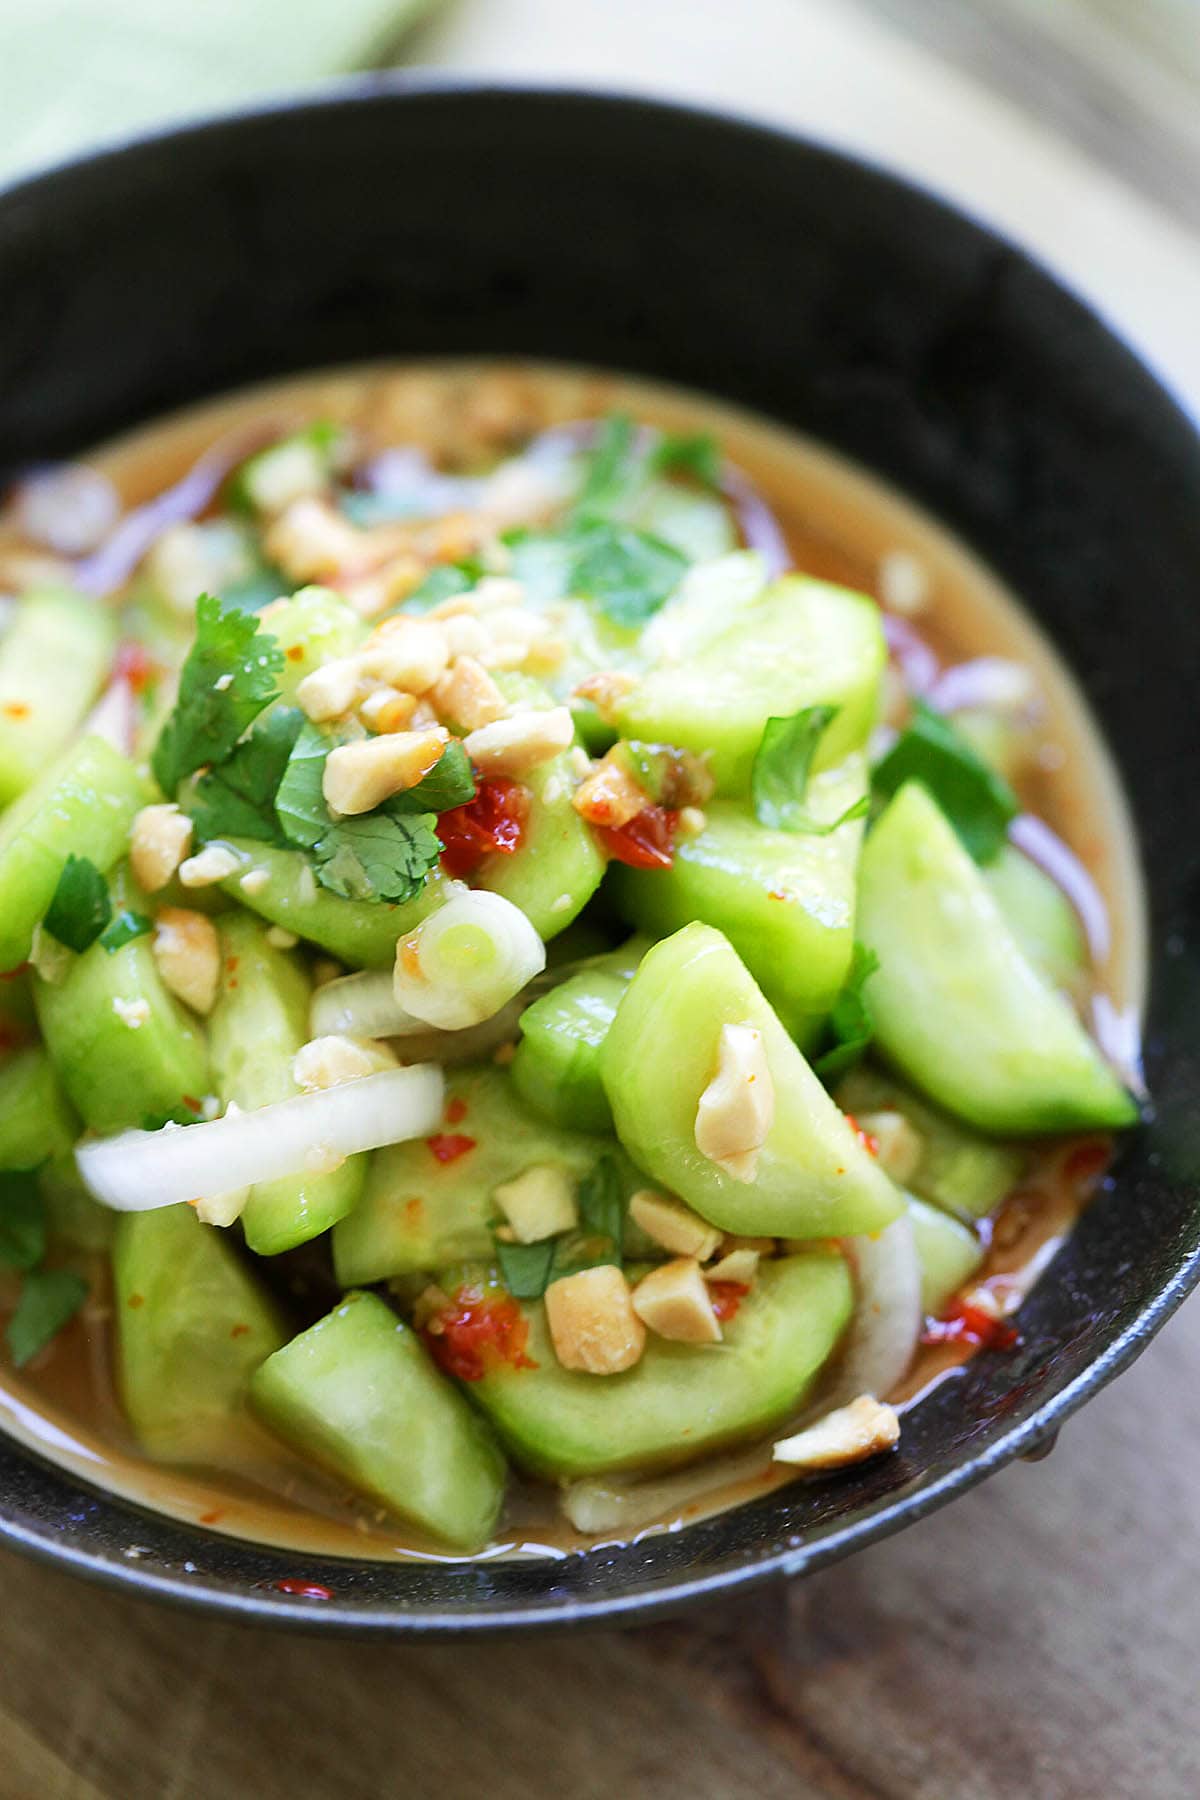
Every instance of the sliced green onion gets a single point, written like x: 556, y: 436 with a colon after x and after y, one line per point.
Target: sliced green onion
x: 466, y: 961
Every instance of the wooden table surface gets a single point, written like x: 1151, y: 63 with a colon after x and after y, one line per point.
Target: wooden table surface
x: 1038, y: 1639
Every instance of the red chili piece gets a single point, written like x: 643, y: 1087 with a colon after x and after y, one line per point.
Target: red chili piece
x: 867, y: 1139
x: 134, y: 664
x: 1086, y: 1162
x: 647, y: 842
x: 726, y: 1297
x: 492, y: 822
x: 456, y: 1110
x: 477, y: 1332
x: 307, y: 1590
x: 448, y: 1146
x: 967, y: 1324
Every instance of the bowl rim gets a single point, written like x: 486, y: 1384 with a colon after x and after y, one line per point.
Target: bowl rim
x: 877, y: 1520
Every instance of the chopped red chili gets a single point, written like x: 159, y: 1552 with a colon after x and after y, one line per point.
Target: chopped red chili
x: 493, y: 822
x: 963, y: 1323
x: 307, y: 1590
x: 14, y: 974
x: 867, y: 1139
x: 1085, y: 1163
x: 134, y: 664
x: 726, y: 1297
x: 456, y: 1110
x: 448, y: 1146
x: 647, y: 842
x: 478, y: 1332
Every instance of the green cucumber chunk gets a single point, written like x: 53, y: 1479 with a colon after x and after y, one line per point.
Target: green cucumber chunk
x: 681, y: 1401
x: 814, y: 1178
x: 958, y: 1007
x: 556, y: 1069
x: 558, y: 865
x: 192, y: 1327
x: 361, y: 933
x: 948, y: 1252
x: 124, y: 1048
x: 38, y: 1129
x: 418, y: 1213
x: 1040, y: 917
x: 259, y: 1022
x: 802, y: 643
x: 358, y: 1394
x: 53, y: 661
x: 311, y: 627
x: 83, y: 804
x: 959, y: 1171
x: 784, y: 899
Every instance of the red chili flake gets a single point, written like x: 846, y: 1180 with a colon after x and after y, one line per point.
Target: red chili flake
x: 456, y: 1110
x: 136, y: 1300
x: 15, y: 974
x: 295, y: 653
x: 306, y: 1590
x: 963, y: 1323
x: 134, y: 664
x: 493, y: 822
x: 16, y: 709
x: 211, y: 1518
x: 448, y: 1146
x: 1086, y: 1162
x: 726, y: 1297
x: 867, y: 1139
x: 231, y: 963
x: 647, y: 842
x: 191, y: 1102
x: 478, y: 1332
x: 236, y: 1331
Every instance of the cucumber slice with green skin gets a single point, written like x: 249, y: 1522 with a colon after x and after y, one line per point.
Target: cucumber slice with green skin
x: 710, y: 596
x: 361, y: 933
x: 313, y: 626
x: 802, y: 643
x: 192, y: 1327
x: 959, y: 1009
x: 417, y: 1213
x: 784, y: 899
x: 814, y: 1178
x: 556, y: 1069
x: 256, y: 1027
x: 358, y: 1394
x: 53, y: 661
x: 559, y: 864
x: 37, y: 1121
x: 83, y: 804
x: 958, y: 1171
x: 681, y: 1401
x: 949, y: 1254
x: 124, y: 1048
x: 1040, y: 917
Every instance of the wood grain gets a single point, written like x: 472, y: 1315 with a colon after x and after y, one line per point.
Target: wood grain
x: 1037, y: 1639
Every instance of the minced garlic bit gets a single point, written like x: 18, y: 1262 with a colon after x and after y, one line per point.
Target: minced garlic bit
x: 592, y: 1324
x: 673, y: 1301
x: 133, y: 1013
x: 538, y: 1203
x: 737, y: 1107
x: 216, y: 862
x: 158, y: 843
x: 359, y: 777
x: 187, y: 955
x: 865, y: 1428
x: 674, y: 1226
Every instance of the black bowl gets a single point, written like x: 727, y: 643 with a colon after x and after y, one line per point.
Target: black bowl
x: 402, y: 218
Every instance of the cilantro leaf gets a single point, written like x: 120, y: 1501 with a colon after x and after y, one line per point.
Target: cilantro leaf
x: 80, y: 907
x: 601, y: 1204
x: 237, y: 799
x: 377, y: 856
x: 449, y: 783
x: 782, y: 766
x: 851, y: 1019
x: 627, y: 573
x: 612, y: 464
x: 977, y: 801
x: 22, y: 1220
x: 227, y: 679
x: 299, y: 801
x: 526, y: 1268
x: 49, y: 1299
x: 688, y: 453
x: 126, y: 926
x: 442, y: 583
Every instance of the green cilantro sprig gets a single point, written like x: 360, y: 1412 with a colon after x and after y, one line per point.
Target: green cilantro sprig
x: 977, y: 801
x: 528, y: 1269
x: 228, y: 678
x: 851, y: 1021
x: 782, y: 769
x: 80, y: 906
x: 48, y: 1298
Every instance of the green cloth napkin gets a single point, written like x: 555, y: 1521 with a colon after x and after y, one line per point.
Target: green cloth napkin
x: 78, y: 72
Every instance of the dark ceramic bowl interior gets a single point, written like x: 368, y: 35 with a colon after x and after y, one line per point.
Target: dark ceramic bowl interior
x: 401, y: 218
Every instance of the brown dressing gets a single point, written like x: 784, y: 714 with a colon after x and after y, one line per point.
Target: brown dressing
x: 840, y: 524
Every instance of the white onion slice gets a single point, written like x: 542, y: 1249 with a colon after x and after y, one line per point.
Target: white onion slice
x: 466, y: 961
x: 362, y: 1005
x: 137, y: 1171
x: 623, y: 1503
x: 886, y: 1326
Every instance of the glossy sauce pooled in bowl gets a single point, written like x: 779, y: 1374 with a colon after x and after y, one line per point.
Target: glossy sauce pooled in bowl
x: 956, y: 637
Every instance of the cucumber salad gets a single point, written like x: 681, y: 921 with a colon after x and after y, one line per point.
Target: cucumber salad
x: 509, y: 984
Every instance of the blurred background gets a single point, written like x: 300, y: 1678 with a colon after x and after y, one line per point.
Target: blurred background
x: 1073, y: 124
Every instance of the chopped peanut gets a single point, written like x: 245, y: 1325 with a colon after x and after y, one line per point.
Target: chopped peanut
x: 736, y: 1265
x: 330, y: 690
x: 326, y: 1062
x: 311, y: 542
x: 513, y: 746
x: 497, y: 591
x: 465, y: 636
x: 899, y: 1146
x: 187, y: 955
x: 865, y: 1428
x: 674, y: 1302
x: 606, y: 690
x: 738, y: 1106
x: 386, y: 709
x: 762, y: 1246
x: 467, y: 696
x: 216, y: 862
x: 610, y: 795
x: 388, y: 586
x: 406, y: 653
x: 538, y: 1203
x: 592, y: 1324
x: 360, y: 776
x: 673, y: 1225
x: 158, y: 844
